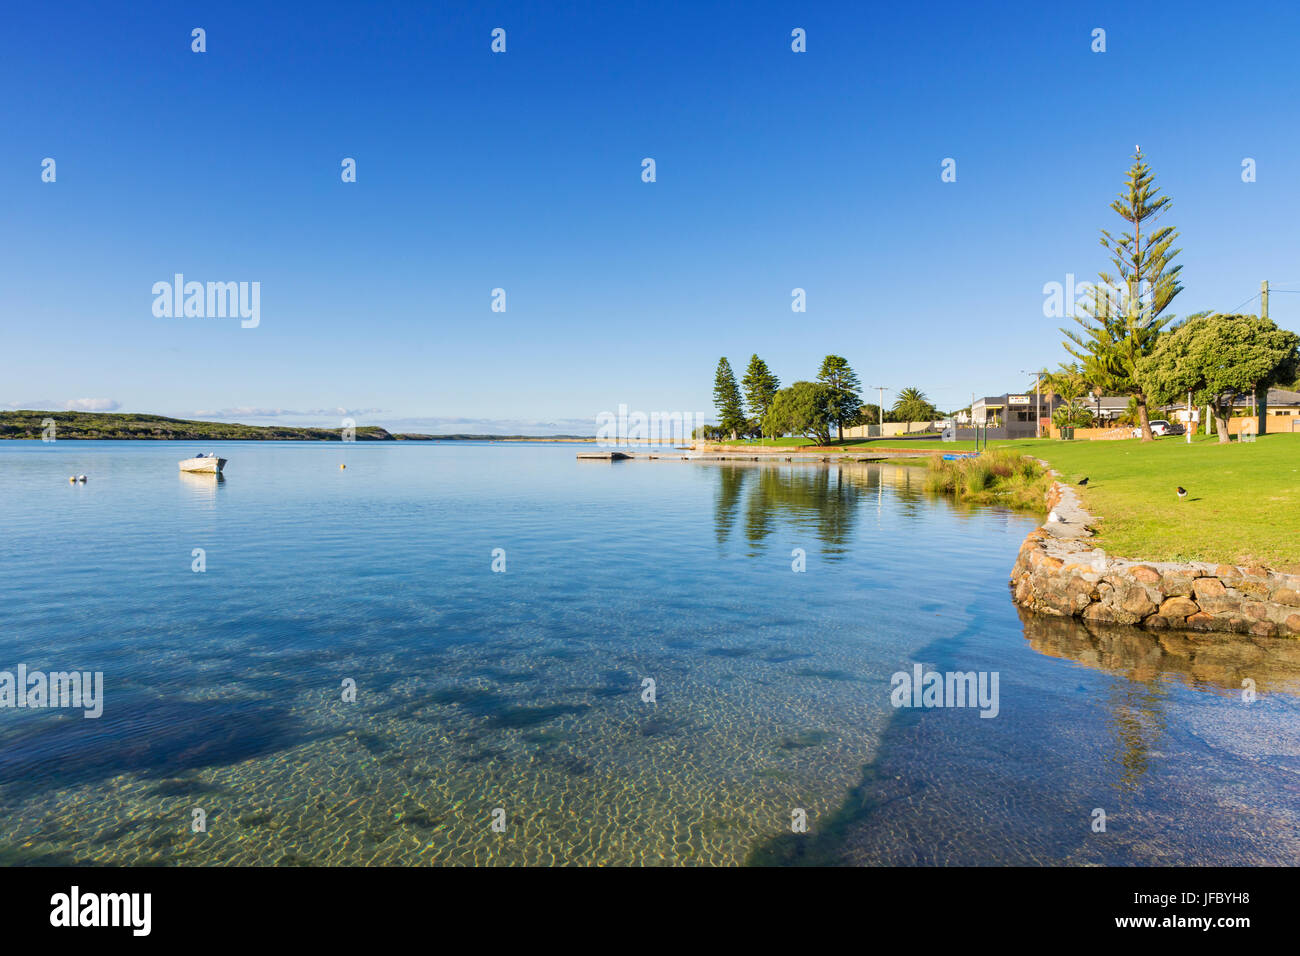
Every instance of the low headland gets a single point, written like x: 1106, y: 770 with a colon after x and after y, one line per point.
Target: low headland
x: 115, y: 426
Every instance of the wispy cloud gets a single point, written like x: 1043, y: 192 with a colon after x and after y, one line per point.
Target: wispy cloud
x: 92, y: 405
x: 245, y: 411
x: 493, y: 426
x: 69, y: 405
x: 429, y: 425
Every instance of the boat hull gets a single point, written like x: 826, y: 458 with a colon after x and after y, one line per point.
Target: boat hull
x: 203, y: 466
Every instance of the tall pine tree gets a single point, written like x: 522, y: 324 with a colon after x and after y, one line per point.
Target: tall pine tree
x: 844, y: 403
x: 761, y: 387
x: 726, y: 399
x: 1122, y: 323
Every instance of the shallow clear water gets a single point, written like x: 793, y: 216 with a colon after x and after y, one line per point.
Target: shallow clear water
x: 523, y: 690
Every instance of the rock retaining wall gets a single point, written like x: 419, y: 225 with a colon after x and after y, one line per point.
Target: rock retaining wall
x: 1058, y: 572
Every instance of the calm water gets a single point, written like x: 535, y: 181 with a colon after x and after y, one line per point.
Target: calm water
x: 522, y: 690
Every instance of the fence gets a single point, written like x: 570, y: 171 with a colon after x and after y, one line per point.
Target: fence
x: 887, y: 430
x: 1096, y: 434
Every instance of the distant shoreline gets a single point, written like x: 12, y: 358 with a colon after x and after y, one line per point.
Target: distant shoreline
x: 114, y: 426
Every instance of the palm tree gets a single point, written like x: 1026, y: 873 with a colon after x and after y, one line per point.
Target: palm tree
x: 913, y: 406
x: 1069, y: 384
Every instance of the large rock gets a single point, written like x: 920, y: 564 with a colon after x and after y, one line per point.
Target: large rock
x: 1145, y: 574
x: 1174, y: 584
x: 1208, y: 589
x: 1137, y: 602
x: 1287, y: 596
x: 1178, y: 608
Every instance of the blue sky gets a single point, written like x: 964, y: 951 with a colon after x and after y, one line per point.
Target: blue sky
x: 522, y: 171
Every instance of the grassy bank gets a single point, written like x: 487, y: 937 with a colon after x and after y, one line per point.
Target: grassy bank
x: 1242, y: 505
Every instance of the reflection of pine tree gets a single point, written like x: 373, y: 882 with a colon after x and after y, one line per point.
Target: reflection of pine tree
x: 1137, y: 716
x: 820, y: 500
x: 731, y: 483
x: 758, y: 509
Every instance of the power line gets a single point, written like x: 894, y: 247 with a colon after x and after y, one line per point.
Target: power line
x: 1233, y: 310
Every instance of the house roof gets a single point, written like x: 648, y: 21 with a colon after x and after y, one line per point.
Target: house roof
x: 1276, y: 396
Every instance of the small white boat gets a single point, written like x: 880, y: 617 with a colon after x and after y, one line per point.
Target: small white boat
x: 208, y: 464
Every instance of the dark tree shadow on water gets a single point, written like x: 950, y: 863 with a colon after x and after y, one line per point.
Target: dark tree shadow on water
x: 151, y: 738
x: 948, y: 787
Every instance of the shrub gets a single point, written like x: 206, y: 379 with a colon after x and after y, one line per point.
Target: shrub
x: 999, y: 476
x: 978, y: 477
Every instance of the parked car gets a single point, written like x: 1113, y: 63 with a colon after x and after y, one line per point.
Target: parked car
x: 1160, y: 427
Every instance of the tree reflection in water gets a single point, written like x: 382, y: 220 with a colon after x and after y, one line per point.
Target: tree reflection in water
x: 822, y: 500
x: 1221, y: 663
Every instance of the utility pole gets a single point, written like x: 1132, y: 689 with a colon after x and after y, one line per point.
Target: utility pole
x: 1190, y: 424
x: 881, y: 406
x: 1261, y: 394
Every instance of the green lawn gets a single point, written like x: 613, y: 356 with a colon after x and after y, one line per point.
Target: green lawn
x: 1242, y: 505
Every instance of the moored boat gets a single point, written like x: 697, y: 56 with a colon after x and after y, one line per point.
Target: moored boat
x: 204, y: 464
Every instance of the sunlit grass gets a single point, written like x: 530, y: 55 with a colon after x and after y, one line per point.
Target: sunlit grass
x: 1242, y: 505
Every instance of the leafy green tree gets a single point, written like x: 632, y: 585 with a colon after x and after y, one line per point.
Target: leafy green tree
x: 844, y: 402
x: 801, y: 409
x: 912, y: 405
x: 1218, y: 358
x: 726, y: 399
x: 760, y: 387
x: 869, y: 414
x: 1122, y: 323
